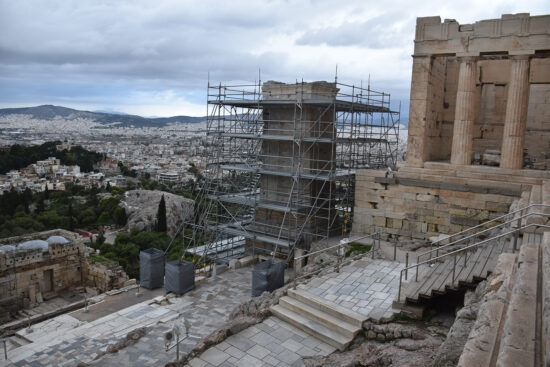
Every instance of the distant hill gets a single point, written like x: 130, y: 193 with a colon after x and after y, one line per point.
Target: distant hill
x: 49, y: 112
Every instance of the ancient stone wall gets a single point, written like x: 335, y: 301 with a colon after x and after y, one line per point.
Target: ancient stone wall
x: 104, y: 277
x: 30, y: 276
x: 424, y: 202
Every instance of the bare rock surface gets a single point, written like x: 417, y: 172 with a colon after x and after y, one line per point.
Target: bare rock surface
x: 142, y: 205
x: 451, y: 349
x: 394, y: 345
x: 131, y: 338
x: 258, y: 307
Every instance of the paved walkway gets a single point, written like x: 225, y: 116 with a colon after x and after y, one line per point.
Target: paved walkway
x: 365, y: 286
x: 67, y: 340
x: 270, y: 343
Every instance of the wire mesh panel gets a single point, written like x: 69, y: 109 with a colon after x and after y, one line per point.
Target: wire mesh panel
x: 180, y: 276
x: 267, y: 276
x: 151, y: 268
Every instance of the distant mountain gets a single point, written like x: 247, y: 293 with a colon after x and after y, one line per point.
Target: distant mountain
x: 49, y: 112
x: 114, y: 112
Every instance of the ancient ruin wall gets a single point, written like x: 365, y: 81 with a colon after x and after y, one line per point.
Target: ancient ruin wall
x: 439, y: 49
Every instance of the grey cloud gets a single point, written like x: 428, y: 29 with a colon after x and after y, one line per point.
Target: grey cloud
x: 390, y: 30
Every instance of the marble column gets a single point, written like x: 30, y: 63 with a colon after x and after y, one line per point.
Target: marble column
x: 461, y: 152
x: 513, y: 138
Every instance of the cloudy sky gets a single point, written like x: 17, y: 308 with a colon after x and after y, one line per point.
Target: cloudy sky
x: 152, y: 58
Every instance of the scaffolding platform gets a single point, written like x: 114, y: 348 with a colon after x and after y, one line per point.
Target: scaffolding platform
x: 282, y: 163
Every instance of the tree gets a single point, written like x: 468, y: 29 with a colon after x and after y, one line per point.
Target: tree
x: 161, y: 216
x: 100, y: 239
x: 70, y: 213
x: 120, y: 216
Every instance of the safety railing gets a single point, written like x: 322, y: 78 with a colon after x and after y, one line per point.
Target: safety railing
x: 499, y: 224
x: 466, y: 249
x: 339, y: 255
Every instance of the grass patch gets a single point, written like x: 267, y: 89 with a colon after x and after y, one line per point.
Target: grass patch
x: 356, y: 247
x: 406, y: 318
x: 100, y: 259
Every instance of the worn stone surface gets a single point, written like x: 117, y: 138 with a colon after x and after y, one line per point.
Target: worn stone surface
x: 365, y: 286
x: 206, y: 308
x: 272, y: 342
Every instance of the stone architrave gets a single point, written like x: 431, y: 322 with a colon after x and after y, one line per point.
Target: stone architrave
x: 461, y: 152
x: 513, y: 138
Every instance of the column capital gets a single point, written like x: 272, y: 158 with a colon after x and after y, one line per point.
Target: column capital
x: 520, y: 57
x: 467, y: 56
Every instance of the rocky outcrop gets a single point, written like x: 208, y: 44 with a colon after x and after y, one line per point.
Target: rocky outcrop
x: 259, y: 306
x: 451, y: 349
x: 392, y: 344
x: 130, y: 339
x: 142, y: 205
x: 482, y: 339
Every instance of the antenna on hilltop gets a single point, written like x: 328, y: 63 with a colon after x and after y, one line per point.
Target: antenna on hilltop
x: 336, y: 75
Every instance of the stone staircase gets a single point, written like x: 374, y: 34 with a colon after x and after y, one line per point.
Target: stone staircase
x: 437, y: 279
x: 328, y: 322
x: 512, y: 324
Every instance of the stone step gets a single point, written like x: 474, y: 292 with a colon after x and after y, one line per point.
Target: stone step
x: 439, y: 279
x: 342, y: 313
x: 331, y: 322
x: 312, y: 327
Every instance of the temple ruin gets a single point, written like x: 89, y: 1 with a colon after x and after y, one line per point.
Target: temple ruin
x: 479, y: 128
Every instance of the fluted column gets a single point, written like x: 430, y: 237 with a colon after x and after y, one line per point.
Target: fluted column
x: 461, y: 152
x: 513, y: 138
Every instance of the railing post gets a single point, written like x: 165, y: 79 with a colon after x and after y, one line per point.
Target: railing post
x: 516, y: 235
x: 85, y: 303
x: 394, y: 251
x: 338, y: 259
x: 416, y: 277
x: 406, y: 265
x: 5, y: 348
x: 465, y: 255
x: 376, y: 237
x: 177, y: 347
x: 29, y: 329
x: 454, y: 267
x: 399, y: 292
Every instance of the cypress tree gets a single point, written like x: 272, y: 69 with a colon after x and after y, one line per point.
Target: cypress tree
x: 161, y: 216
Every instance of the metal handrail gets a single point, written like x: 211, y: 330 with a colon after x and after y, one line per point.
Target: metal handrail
x: 489, y: 221
x: 339, y: 263
x: 455, y: 252
x: 436, y: 250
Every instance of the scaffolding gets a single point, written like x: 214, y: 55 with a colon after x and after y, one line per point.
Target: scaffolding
x: 281, y: 166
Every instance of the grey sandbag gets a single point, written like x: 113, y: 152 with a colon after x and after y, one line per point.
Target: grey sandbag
x: 151, y: 268
x: 267, y: 276
x: 180, y: 276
